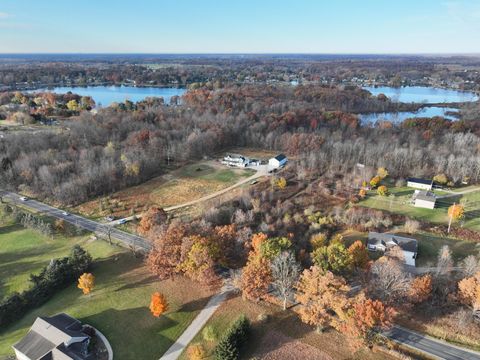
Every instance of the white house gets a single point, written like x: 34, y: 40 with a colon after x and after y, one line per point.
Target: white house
x: 384, y: 241
x: 56, y: 337
x: 236, y: 160
x: 424, y: 199
x: 277, y: 161
x: 421, y: 184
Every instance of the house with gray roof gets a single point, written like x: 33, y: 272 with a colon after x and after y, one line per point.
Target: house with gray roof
x: 385, y: 241
x: 59, y: 337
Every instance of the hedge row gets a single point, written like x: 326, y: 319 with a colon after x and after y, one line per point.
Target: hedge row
x: 59, y: 274
x: 231, y: 343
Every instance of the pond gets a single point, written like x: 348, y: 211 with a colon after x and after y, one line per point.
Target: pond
x: 397, y: 117
x: 106, y: 95
x: 422, y: 94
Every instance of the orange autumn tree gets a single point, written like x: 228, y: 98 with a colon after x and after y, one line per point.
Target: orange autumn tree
x: 359, y: 254
x: 86, y: 282
x: 469, y: 293
x: 158, y: 304
x: 365, y: 319
x: 196, y: 352
x: 153, y: 217
x: 323, y: 297
x: 421, y: 289
x: 456, y: 212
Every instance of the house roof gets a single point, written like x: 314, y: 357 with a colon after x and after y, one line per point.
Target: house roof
x: 426, y: 196
x: 420, y: 181
x: 280, y: 157
x: 389, y: 240
x: 48, y: 337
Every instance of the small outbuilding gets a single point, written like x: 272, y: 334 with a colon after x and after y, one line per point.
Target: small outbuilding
x: 421, y: 184
x: 277, y: 161
x: 424, y: 199
x: 385, y: 241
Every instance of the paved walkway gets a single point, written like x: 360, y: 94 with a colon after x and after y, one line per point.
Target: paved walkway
x: 197, y: 324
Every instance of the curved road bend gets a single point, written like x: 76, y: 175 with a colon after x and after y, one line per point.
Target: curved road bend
x: 84, y: 223
x: 437, y: 349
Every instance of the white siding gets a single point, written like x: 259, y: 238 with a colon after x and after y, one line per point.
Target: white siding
x: 20, y: 356
x: 424, y: 204
x: 409, y: 258
x: 416, y: 185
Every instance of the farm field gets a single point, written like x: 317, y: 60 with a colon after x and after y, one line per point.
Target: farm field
x: 290, y: 339
x: 398, y: 202
x: 188, y: 183
x: 118, y: 306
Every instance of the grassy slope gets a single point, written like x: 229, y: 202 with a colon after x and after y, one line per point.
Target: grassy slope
x: 119, y: 304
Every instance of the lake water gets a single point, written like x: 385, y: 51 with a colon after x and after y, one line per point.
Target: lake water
x: 421, y: 94
x: 106, y: 95
x: 401, y: 116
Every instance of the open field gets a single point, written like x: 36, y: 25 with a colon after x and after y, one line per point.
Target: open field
x: 118, y: 305
x: 291, y: 339
x: 398, y: 202
x: 24, y: 251
x: 188, y: 183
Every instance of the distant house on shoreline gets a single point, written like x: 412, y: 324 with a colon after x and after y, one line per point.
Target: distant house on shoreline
x: 385, y: 241
x: 56, y: 337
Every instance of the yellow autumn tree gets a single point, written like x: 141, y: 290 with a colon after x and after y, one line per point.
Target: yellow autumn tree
x: 382, y: 190
x: 158, y: 304
x: 456, y: 212
x: 282, y: 183
x: 382, y: 172
x: 375, y: 181
x: 86, y: 282
x: 196, y: 352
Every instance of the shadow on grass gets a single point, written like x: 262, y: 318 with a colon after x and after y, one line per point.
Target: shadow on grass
x: 146, y: 281
x: 194, y: 305
x: 134, y: 333
x: 9, y: 228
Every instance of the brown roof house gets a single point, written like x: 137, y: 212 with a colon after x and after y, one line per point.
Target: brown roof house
x: 59, y: 337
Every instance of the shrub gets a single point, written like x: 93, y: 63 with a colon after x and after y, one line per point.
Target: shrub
x: 209, y: 333
x: 230, y: 345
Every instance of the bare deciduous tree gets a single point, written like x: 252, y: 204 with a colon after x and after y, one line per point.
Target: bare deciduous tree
x: 390, y: 282
x: 285, y: 272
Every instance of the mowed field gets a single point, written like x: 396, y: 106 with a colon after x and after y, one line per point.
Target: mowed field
x: 399, y: 202
x: 118, y: 306
x: 188, y: 183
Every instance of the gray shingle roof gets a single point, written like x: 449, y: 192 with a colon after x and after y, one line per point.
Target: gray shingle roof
x: 385, y: 239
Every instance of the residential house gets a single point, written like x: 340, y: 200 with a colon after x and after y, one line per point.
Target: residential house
x: 421, y: 184
x: 385, y: 241
x: 277, y: 161
x: 236, y: 160
x: 56, y: 337
x: 424, y: 199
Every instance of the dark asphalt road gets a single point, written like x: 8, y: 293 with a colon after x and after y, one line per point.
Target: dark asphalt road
x: 87, y: 224
x: 435, y: 348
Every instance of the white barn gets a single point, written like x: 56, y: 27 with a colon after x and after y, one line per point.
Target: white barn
x: 421, y: 184
x: 424, y: 199
x: 277, y: 161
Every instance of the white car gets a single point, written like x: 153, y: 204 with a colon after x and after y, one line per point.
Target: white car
x: 122, y: 221
x: 23, y: 198
x: 64, y: 213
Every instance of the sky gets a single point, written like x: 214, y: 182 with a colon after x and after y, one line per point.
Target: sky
x: 240, y: 26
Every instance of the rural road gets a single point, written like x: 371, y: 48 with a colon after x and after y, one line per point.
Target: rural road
x: 436, y: 349
x: 84, y: 223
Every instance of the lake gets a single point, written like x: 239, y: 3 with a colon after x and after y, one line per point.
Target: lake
x: 106, y: 95
x: 422, y: 94
x: 401, y: 116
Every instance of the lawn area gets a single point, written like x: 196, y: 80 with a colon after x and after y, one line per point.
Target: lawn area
x: 187, y: 183
x: 398, y: 202
x: 281, y: 334
x: 118, y: 307
x: 25, y: 251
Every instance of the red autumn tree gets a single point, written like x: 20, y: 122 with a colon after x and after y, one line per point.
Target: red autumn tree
x: 256, y: 277
x: 359, y: 254
x: 153, y: 217
x: 421, y: 289
x: 365, y: 319
x: 158, y: 304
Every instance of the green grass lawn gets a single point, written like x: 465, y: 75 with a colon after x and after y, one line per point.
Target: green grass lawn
x: 399, y: 202
x: 207, y: 172
x: 24, y: 251
x: 118, y: 306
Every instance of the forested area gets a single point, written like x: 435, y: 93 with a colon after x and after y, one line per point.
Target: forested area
x: 121, y: 146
